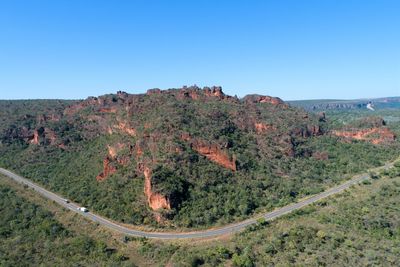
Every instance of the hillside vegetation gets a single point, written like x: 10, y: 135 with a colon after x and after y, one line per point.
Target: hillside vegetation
x: 186, y: 158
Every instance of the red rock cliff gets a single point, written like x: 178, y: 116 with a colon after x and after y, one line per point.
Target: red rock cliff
x: 214, y: 91
x: 375, y: 135
x: 215, y: 154
x: 43, y: 135
x: 211, y: 151
x: 156, y: 200
x: 249, y: 99
x: 36, y: 135
x: 108, y: 169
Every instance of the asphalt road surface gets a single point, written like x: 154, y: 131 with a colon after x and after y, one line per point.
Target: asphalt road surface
x: 231, y: 228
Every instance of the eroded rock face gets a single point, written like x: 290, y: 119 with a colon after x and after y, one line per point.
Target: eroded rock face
x: 35, y: 136
x: 376, y: 135
x: 155, y: 200
x: 113, y: 160
x: 251, y: 99
x: 108, y: 169
x: 214, y: 91
x: 122, y: 94
x: 154, y: 91
x: 189, y: 93
x: 211, y: 151
x: 43, y: 135
x: 37, y: 133
x: 205, y: 94
x: 215, y: 154
x: 103, y: 104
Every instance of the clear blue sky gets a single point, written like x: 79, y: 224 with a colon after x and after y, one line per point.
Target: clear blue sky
x: 292, y: 49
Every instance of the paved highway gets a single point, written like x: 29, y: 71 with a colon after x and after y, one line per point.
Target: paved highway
x: 232, y: 228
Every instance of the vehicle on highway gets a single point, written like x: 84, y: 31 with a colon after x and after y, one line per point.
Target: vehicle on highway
x: 83, y: 209
x: 66, y: 200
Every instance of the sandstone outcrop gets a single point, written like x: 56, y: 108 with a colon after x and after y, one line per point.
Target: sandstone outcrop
x: 206, y: 94
x: 376, y: 135
x: 35, y: 136
x: 189, y: 93
x: 102, y: 104
x: 211, y: 151
x: 108, y: 169
x: 215, y: 154
x: 154, y: 91
x: 113, y: 160
x: 369, y: 129
x: 37, y: 133
x: 252, y: 99
x: 43, y: 135
x: 155, y: 200
x: 214, y: 91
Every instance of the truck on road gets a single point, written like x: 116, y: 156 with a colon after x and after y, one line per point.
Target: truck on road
x: 83, y: 209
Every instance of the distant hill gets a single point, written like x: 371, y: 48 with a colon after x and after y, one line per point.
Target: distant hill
x: 337, y: 104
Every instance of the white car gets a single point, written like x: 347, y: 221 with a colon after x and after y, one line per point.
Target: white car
x: 83, y: 209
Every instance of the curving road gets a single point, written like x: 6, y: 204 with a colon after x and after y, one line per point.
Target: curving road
x: 196, y: 234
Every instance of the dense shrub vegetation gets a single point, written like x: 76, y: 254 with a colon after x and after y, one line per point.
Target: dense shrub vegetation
x: 30, y: 236
x: 274, y: 168
x: 360, y: 227
x: 356, y: 228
